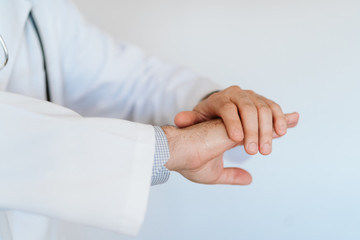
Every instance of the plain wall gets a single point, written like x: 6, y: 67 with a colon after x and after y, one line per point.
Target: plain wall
x: 303, y: 54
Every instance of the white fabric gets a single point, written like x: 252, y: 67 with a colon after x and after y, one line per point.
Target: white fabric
x: 61, y: 176
x: 58, y: 168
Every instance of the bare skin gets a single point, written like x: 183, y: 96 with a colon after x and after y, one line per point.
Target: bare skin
x: 249, y: 118
x: 197, y: 151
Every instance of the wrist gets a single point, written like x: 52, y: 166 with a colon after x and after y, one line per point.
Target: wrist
x: 172, y: 135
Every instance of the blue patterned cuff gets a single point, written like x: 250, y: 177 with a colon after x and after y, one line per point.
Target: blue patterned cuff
x: 160, y: 174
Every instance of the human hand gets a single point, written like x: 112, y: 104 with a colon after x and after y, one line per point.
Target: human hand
x: 196, y: 152
x: 249, y: 118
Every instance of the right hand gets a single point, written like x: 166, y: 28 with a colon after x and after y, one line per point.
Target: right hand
x: 247, y: 116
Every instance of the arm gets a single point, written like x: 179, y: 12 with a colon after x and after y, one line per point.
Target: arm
x: 105, y: 78
x: 93, y: 171
x: 96, y: 171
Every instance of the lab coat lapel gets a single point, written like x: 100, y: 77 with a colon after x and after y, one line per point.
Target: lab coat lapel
x: 13, y: 16
x: 51, y: 43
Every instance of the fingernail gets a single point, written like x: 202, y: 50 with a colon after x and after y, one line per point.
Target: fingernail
x: 253, y: 147
x: 266, y: 148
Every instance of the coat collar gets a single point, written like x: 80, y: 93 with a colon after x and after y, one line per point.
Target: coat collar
x: 13, y: 16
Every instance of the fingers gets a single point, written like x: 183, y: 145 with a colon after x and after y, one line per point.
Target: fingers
x: 230, y: 115
x: 188, y: 118
x: 249, y: 120
x: 265, y: 126
x: 291, y: 119
x: 234, y: 176
x: 280, y: 124
x: 258, y: 115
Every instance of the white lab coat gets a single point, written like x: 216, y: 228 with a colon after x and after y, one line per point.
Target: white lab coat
x: 84, y: 166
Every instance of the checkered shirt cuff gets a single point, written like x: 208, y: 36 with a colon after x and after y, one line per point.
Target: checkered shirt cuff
x: 160, y: 174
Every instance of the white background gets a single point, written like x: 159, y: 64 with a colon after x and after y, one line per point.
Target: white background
x: 303, y: 54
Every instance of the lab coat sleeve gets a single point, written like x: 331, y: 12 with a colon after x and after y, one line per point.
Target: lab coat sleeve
x: 104, y: 78
x: 93, y: 171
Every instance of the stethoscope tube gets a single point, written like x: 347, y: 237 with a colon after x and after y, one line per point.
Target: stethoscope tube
x: 47, y: 85
x: 6, y: 53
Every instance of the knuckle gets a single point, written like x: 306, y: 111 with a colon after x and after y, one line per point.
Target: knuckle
x: 274, y: 105
x: 251, y: 133
x: 249, y: 108
x: 264, y: 110
x: 281, y: 119
x: 250, y: 92
x: 266, y: 135
x: 234, y: 88
x: 281, y: 123
x: 215, y: 95
x: 228, y: 106
x: 251, y: 137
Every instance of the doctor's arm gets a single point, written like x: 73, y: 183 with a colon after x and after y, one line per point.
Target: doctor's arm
x: 104, y: 78
x: 93, y: 171
x: 96, y: 171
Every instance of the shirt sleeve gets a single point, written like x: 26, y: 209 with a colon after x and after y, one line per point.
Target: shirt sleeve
x: 58, y: 164
x: 160, y: 174
x: 107, y: 78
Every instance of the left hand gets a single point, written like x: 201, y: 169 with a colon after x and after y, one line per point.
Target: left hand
x: 196, y: 152
x: 248, y: 117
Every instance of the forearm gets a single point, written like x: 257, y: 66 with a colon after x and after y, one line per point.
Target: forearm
x: 59, y: 164
x: 122, y: 81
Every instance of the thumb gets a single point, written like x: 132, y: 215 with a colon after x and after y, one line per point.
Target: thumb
x: 188, y: 118
x: 234, y: 176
